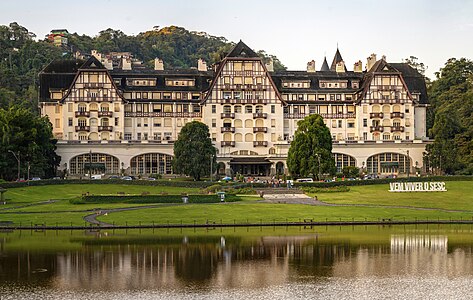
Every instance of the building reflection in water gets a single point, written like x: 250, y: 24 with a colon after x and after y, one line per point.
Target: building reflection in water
x: 208, y: 263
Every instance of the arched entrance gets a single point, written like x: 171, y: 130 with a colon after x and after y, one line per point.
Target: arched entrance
x: 151, y: 163
x: 96, y: 163
x: 221, y: 168
x: 343, y: 160
x: 387, y: 164
x: 279, y: 168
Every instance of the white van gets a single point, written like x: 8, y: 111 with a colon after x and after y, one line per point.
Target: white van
x: 94, y: 177
x: 305, y: 180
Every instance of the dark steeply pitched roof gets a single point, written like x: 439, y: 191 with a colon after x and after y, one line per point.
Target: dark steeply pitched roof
x: 325, y: 65
x: 414, y: 80
x: 59, y: 74
x: 242, y: 50
x: 336, y: 59
x: 92, y: 63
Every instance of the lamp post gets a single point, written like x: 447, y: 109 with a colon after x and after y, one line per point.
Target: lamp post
x: 211, y: 166
x: 408, y: 163
x: 18, y: 160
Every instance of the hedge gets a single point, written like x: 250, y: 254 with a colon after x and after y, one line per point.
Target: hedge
x: 174, y: 183
x: 143, y: 199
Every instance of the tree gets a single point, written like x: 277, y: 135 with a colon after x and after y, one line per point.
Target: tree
x: 24, y: 132
x: 451, y: 97
x: 193, y: 151
x: 312, y: 143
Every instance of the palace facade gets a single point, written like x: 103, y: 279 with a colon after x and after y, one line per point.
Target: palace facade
x: 112, y: 115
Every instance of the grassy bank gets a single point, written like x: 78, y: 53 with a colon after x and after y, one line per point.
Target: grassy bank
x: 28, y: 205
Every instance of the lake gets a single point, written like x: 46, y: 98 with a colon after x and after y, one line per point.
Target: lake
x: 327, y: 262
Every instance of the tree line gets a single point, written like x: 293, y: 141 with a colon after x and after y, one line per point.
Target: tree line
x: 450, y: 115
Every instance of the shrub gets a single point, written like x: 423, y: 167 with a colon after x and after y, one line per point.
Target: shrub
x: 143, y: 199
x: 332, y: 189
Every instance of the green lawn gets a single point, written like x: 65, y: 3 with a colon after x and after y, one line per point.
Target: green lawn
x: 459, y: 196
x: 257, y: 212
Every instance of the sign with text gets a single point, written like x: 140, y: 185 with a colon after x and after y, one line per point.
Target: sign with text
x: 417, y: 187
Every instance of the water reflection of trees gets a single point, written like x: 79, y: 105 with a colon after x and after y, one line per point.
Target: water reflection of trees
x: 213, y: 262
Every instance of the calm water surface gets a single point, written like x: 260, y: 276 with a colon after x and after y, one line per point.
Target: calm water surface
x: 372, y: 262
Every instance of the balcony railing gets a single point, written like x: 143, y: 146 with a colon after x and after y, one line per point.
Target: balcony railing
x: 82, y: 113
x: 228, y: 129
x: 227, y: 115
x: 325, y: 116
x: 376, y: 115
x: 105, y: 113
x: 260, y: 144
x: 164, y: 114
x: 105, y: 128
x: 376, y: 128
x: 260, y: 115
x: 260, y: 129
x: 397, y: 128
x: 228, y: 144
x: 397, y: 115
x: 82, y: 128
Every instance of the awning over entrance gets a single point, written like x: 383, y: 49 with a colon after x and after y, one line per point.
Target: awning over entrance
x: 250, y: 161
x: 257, y: 166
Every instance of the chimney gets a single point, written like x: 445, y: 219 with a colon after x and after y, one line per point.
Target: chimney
x: 383, y: 57
x: 201, y: 65
x: 311, y: 66
x: 158, y: 64
x: 358, y: 67
x: 340, y: 67
x: 270, y: 65
x: 126, y: 63
x: 371, y: 61
x: 97, y: 55
x: 108, y: 63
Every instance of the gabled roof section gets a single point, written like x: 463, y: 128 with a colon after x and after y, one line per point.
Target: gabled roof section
x: 336, y: 59
x: 325, y: 65
x: 242, y: 50
x: 92, y: 64
x: 406, y: 73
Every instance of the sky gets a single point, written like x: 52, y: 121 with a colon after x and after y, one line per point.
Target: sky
x: 296, y: 31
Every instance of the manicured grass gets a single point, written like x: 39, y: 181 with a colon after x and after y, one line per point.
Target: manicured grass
x: 67, y: 191
x: 49, y: 219
x: 459, y: 196
x: 259, y: 212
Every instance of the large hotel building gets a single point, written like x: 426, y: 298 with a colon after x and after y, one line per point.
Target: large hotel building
x: 114, y: 116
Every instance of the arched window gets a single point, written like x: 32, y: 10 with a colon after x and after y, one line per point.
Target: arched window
x: 386, y: 109
x: 151, y: 163
x: 227, y: 137
x: 396, y: 108
x: 82, y: 107
x: 272, y: 150
x: 238, y: 123
x: 248, y: 137
x: 259, y: 123
x: 93, y: 107
x: 96, y: 163
x: 238, y: 137
x: 386, y: 136
x: 387, y: 163
x: 260, y: 137
x: 248, y: 123
x: 104, y: 107
x: 343, y: 160
x: 375, y: 109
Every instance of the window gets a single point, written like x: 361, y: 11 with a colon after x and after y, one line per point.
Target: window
x: 57, y: 123
x: 351, y: 124
x: 273, y: 109
x: 248, y: 109
x: 365, y: 136
x: 340, y: 123
x: 127, y: 136
x: 167, y: 122
x: 214, y: 123
x: 116, y: 121
x: 365, y: 123
x: 237, y: 95
x: 273, y: 123
x: 57, y: 109
x: 69, y: 121
x: 237, y: 109
x: 214, y: 109
x: 69, y: 107
x: 227, y: 95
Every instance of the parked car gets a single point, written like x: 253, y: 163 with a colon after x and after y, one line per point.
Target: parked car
x: 114, y: 177
x: 127, y: 178
x: 35, y: 179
